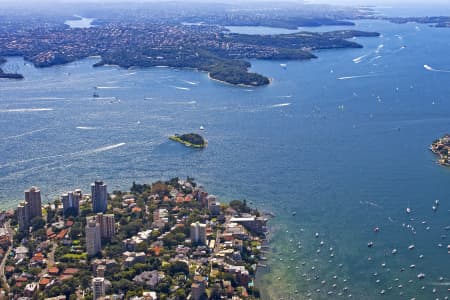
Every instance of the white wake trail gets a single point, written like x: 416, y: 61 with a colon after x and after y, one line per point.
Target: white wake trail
x: 428, y: 68
x: 25, y: 110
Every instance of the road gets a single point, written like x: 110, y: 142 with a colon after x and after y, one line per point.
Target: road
x: 2, y: 265
x: 50, y: 259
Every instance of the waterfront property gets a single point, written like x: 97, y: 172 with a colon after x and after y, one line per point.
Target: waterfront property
x: 441, y: 147
x: 167, y: 240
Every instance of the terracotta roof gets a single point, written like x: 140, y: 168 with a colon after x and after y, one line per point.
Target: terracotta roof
x: 65, y: 276
x: 62, y: 234
x: 53, y: 270
x: 44, y: 281
x: 136, y: 209
x: 70, y: 271
x: 157, y: 250
x: 22, y: 279
x: 38, y: 257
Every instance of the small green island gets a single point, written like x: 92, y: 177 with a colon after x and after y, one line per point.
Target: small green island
x: 441, y: 147
x: 193, y: 140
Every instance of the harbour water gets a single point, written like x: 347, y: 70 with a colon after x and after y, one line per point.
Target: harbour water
x: 341, y: 140
x: 81, y: 22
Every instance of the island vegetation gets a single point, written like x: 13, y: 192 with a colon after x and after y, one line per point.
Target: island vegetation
x: 193, y: 140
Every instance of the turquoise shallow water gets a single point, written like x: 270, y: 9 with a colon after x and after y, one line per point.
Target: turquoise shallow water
x: 341, y: 140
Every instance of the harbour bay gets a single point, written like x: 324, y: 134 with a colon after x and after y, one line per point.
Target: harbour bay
x: 285, y: 147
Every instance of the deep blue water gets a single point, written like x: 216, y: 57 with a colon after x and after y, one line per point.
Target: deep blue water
x: 346, y: 153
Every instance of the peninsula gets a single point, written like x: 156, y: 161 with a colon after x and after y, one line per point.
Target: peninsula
x: 433, y: 21
x: 441, y: 147
x: 190, y: 140
x: 134, y: 40
x: 165, y: 240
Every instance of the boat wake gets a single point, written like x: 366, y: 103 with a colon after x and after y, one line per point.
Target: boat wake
x: 428, y: 68
x: 106, y: 148
x: 49, y: 98
x: 379, y: 48
x: 67, y: 155
x: 375, y: 58
x: 182, y: 103
x: 25, y: 110
x: 103, y: 98
x: 191, y: 82
x: 181, y: 88
x: 25, y: 134
x: 86, y: 128
x: 356, y: 76
x: 358, y: 59
x: 280, y: 105
x: 108, y: 87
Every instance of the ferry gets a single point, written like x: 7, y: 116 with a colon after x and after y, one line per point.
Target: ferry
x: 284, y: 66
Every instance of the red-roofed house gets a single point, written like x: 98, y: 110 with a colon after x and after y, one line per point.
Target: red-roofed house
x: 62, y: 234
x: 53, y: 271
x: 22, y: 279
x: 65, y: 277
x: 43, y: 283
x: 38, y: 258
x: 136, y: 209
x: 70, y: 271
x: 50, y: 233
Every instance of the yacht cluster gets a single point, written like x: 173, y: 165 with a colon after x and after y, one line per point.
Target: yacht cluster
x: 399, y: 272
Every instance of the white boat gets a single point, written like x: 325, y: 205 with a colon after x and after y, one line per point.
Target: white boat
x: 421, y: 275
x: 408, y: 210
x: 284, y: 66
x: 202, y: 128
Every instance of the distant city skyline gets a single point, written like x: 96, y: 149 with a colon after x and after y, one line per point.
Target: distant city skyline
x: 332, y: 2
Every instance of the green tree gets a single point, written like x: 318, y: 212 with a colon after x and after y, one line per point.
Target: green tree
x: 37, y: 222
x: 179, y: 267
